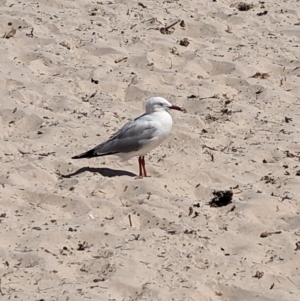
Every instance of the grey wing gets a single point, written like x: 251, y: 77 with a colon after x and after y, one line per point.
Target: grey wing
x: 131, y: 137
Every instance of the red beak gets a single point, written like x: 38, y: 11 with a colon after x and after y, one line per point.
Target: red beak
x: 175, y: 108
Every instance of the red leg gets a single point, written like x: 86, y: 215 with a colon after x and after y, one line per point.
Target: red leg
x: 144, y: 166
x: 140, y: 166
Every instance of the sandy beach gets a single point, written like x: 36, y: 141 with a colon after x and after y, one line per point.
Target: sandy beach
x: 72, y: 73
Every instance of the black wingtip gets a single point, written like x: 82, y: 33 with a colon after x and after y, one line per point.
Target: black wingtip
x: 88, y: 154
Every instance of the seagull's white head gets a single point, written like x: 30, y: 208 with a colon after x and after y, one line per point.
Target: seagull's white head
x: 158, y: 104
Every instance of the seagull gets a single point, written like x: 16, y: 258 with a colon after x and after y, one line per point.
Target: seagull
x: 139, y: 136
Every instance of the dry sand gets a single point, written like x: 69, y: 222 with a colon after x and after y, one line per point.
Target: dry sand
x: 69, y: 238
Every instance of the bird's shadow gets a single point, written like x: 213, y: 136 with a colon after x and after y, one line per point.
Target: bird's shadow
x: 105, y: 172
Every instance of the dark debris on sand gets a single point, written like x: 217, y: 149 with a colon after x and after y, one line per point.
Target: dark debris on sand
x: 221, y: 198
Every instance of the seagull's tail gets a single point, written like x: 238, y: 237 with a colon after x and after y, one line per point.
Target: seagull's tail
x: 88, y: 154
x: 93, y: 153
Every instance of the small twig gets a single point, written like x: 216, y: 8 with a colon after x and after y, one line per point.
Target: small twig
x: 283, y: 131
x: 46, y: 154
x: 214, y: 96
x: 136, y: 236
x: 153, y: 20
x: 142, y: 5
x: 30, y: 34
x: 211, y: 148
x: 121, y: 60
x: 210, y: 154
x: 94, y: 192
x: 47, y: 251
x: 23, y: 152
x: 82, y: 246
x: 173, y: 24
x: 224, y: 148
x: 166, y: 30
x: 86, y: 99
x: 231, y: 209
x: 196, y: 214
x: 266, y: 233
x: 93, y: 95
x: 262, y: 13
x: 133, y: 80
x: 130, y: 222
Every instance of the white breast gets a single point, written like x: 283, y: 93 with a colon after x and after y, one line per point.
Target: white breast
x: 162, y: 122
